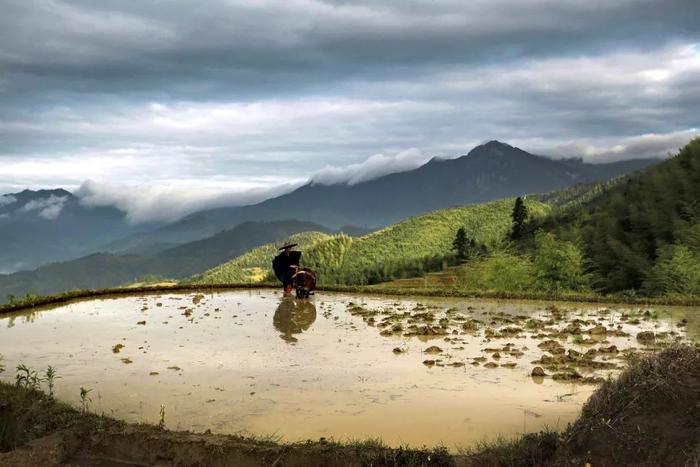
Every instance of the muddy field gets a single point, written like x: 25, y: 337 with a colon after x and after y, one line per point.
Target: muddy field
x: 409, y: 371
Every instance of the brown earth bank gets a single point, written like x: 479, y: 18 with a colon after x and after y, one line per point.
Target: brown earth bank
x: 649, y: 416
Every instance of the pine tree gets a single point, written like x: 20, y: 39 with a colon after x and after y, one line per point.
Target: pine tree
x: 460, y: 244
x: 519, y: 217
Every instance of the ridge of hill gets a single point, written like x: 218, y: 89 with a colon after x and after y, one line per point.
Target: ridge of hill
x: 416, y: 244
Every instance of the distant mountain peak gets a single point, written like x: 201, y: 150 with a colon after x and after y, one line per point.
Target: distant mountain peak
x: 497, y: 148
x: 494, y: 143
x: 41, y: 193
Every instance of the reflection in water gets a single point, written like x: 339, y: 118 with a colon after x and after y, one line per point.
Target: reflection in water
x: 293, y: 317
x: 27, y: 317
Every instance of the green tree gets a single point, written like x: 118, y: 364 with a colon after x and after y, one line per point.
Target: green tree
x: 519, y: 216
x: 460, y: 244
x: 558, y: 265
x: 677, y: 271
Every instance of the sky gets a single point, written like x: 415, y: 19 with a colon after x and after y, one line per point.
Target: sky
x: 165, y: 107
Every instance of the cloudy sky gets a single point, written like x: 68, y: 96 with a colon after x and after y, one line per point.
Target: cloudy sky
x: 216, y: 102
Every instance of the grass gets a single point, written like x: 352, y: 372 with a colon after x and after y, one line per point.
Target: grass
x: 532, y: 449
x: 649, y: 415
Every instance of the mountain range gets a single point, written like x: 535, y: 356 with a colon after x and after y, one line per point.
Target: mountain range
x: 46, y: 226
x: 491, y: 171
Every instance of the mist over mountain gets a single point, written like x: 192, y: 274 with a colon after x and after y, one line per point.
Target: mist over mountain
x: 490, y: 171
x: 37, y: 227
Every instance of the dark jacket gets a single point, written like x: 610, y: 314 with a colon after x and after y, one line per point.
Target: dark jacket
x: 282, y: 265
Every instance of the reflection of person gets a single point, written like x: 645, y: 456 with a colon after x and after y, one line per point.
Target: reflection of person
x: 285, y: 265
x: 293, y: 317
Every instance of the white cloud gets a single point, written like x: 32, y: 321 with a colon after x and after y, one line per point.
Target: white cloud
x: 7, y: 199
x: 49, y: 208
x: 160, y: 203
x: 375, y: 166
x: 639, y: 147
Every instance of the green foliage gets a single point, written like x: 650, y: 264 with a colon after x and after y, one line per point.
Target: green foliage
x: 423, y: 243
x: 50, y: 376
x: 501, y: 271
x: 460, y: 244
x: 466, y: 248
x: 552, y: 266
x: 575, y: 196
x: 626, y: 228
x: 519, y: 216
x: 677, y: 271
x: 2, y: 366
x: 558, y: 265
x: 27, y: 378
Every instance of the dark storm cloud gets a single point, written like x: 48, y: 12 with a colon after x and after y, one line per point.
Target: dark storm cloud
x: 247, y: 49
x: 242, y: 96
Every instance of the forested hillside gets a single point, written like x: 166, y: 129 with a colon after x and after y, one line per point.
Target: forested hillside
x: 643, y: 234
x: 416, y: 245
x: 635, y: 235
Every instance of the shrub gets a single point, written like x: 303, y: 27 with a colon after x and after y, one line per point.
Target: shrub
x: 677, y: 271
x: 500, y: 271
x: 558, y: 265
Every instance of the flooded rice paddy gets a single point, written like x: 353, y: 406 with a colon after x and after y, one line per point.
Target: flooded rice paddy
x: 414, y: 371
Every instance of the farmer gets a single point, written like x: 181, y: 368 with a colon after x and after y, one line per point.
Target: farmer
x: 285, y: 265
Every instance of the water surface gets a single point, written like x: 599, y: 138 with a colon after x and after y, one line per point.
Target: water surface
x: 336, y: 366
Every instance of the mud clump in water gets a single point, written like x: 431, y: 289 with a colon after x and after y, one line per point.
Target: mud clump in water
x: 197, y: 298
x: 598, y: 331
x: 552, y: 347
x: 433, y: 350
x: 646, y: 337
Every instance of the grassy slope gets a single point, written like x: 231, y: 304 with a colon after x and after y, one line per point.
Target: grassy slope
x: 349, y: 260
x: 432, y: 234
x: 254, y: 265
